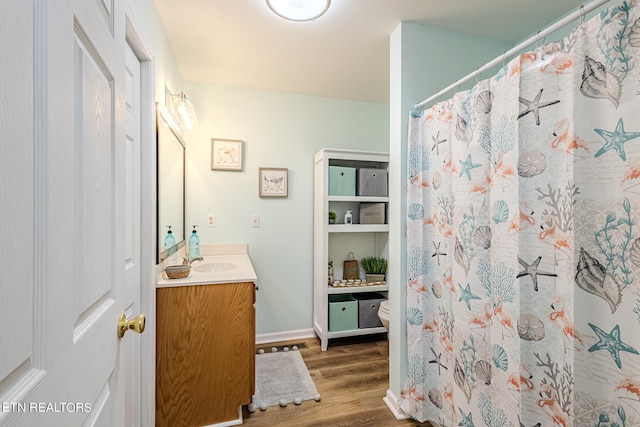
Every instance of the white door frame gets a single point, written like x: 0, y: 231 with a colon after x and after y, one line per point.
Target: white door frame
x: 148, y: 213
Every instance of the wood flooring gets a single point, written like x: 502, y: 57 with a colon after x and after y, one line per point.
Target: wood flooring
x: 352, y: 377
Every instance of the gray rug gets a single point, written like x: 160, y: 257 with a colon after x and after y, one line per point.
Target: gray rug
x: 282, y: 376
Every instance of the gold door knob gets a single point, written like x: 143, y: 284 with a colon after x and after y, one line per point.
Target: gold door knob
x: 136, y: 324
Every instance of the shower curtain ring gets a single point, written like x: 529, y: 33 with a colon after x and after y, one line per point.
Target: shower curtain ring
x: 582, y: 14
x: 537, y: 39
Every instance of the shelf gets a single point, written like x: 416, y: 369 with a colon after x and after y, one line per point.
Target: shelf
x: 356, y: 289
x: 358, y: 228
x: 360, y: 199
x: 348, y: 333
x: 356, y: 332
x: 335, y: 241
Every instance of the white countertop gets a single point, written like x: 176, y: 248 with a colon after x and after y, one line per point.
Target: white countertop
x: 230, y: 264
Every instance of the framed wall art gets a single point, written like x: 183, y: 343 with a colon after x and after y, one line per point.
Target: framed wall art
x: 226, y: 154
x: 274, y: 182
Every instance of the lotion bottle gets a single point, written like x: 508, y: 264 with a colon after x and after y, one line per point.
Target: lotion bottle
x: 348, y: 217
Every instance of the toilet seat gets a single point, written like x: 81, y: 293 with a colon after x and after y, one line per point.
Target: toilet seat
x: 383, y: 313
x: 384, y: 306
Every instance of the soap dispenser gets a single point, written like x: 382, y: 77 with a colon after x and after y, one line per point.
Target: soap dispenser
x: 169, y: 240
x: 194, y: 244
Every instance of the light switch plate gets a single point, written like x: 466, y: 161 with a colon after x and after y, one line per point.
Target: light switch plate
x: 255, y: 220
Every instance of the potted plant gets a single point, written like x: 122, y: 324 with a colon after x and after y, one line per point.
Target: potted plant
x: 375, y: 268
x: 332, y: 217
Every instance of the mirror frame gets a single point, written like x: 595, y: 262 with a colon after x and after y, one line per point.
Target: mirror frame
x: 163, y: 116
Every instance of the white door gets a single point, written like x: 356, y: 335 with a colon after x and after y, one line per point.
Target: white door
x: 64, y: 215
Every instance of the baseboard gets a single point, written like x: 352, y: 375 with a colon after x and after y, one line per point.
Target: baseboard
x: 231, y: 422
x: 392, y: 403
x: 284, y: 336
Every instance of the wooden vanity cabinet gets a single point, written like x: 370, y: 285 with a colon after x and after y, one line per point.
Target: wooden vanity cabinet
x: 205, y: 356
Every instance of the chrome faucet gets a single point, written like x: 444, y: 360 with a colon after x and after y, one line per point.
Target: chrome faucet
x: 187, y: 261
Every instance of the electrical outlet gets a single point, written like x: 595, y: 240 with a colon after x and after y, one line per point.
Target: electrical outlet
x: 211, y: 220
x: 255, y: 220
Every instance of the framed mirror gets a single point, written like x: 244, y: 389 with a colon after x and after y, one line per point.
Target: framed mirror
x: 171, y: 184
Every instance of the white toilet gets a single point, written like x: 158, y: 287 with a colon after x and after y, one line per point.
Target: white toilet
x: 383, y: 313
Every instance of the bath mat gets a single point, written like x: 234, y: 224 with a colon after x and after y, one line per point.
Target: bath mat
x: 282, y: 377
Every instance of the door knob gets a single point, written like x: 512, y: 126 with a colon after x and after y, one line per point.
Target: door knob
x: 136, y: 324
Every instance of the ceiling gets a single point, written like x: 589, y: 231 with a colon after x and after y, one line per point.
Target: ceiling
x: 343, y: 54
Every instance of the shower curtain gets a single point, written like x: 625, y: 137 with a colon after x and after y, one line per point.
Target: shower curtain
x: 523, y: 240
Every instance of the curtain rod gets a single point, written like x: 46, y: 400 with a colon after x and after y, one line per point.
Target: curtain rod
x: 541, y: 34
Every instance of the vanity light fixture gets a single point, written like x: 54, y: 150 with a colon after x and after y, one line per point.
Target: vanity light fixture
x: 299, y: 10
x: 182, y: 110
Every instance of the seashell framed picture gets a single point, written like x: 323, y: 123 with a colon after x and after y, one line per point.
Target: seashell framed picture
x: 274, y: 182
x: 226, y: 154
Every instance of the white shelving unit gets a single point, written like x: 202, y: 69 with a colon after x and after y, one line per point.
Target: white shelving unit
x: 335, y: 241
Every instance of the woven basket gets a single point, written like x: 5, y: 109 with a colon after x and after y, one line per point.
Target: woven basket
x: 177, y: 271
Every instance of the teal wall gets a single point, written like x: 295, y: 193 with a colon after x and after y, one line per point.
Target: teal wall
x: 279, y: 130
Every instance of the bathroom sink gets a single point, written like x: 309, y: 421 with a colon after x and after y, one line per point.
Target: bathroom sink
x: 213, y: 267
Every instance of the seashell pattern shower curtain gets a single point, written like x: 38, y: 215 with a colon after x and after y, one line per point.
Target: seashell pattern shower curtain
x: 523, y: 235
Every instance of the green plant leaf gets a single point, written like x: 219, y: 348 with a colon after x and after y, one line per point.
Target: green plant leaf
x: 374, y: 265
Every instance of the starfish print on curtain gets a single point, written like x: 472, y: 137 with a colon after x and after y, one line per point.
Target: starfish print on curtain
x: 523, y: 245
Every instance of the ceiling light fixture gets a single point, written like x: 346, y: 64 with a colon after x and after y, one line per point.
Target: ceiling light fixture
x: 299, y: 10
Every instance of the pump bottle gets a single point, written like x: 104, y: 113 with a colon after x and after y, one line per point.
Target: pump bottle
x: 194, y: 244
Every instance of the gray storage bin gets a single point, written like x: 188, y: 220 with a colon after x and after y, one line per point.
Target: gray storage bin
x: 372, y: 182
x: 368, y: 306
x: 372, y: 213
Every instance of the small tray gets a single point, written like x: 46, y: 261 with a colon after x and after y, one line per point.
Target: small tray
x: 353, y: 283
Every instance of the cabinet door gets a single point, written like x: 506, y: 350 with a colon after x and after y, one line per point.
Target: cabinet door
x: 205, y: 357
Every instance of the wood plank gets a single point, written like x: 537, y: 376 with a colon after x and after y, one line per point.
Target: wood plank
x: 352, y: 377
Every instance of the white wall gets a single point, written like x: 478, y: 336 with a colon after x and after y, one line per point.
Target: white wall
x: 423, y: 60
x: 279, y: 130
